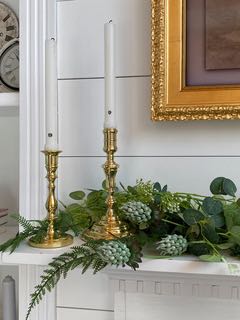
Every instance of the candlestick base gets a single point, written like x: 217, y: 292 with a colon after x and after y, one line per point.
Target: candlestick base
x: 108, y: 228
x: 64, y: 241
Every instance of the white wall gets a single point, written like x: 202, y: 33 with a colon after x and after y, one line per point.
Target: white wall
x: 185, y: 155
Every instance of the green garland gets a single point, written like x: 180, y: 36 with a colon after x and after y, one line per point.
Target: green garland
x: 173, y: 223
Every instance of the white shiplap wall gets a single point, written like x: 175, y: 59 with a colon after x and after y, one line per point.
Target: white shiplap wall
x: 185, y: 155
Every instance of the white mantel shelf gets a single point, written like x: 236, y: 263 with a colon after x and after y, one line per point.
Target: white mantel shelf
x: 10, y: 99
x: 26, y: 255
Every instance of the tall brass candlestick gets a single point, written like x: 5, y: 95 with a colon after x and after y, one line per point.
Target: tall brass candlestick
x: 109, y: 227
x: 52, y: 240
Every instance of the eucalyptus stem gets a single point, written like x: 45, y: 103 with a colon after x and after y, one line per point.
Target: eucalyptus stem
x: 171, y: 222
x: 196, y: 197
x: 209, y: 243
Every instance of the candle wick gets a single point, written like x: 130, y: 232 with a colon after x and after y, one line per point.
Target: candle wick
x: 50, y: 135
x: 110, y: 21
x: 53, y: 39
x: 109, y: 112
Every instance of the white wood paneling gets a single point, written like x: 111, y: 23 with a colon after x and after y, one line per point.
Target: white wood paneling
x: 181, y: 174
x: 81, y: 105
x: 172, y: 308
x: 85, y: 291
x: 77, y: 314
x: 80, y: 36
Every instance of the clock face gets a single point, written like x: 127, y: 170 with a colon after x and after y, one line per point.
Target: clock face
x: 8, y: 25
x: 9, y: 66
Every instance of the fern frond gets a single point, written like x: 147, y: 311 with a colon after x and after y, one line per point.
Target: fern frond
x: 59, y: 267
x: 13, y: 243
x: 23, y: 222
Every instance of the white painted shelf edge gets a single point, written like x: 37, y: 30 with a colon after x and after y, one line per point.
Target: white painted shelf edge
x: 10, y: 99
x: 26, y: 255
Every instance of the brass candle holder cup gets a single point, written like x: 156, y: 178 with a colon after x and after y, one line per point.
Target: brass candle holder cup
x: 52, y: 240
x: 109, y: 227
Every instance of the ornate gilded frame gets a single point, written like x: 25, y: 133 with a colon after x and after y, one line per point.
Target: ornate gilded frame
x: 171, y: 98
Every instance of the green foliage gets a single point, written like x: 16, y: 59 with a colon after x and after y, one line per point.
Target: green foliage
x: 77, y: 195
x: 192, y: 216
x: 223, y: 186
x: 89, y: 255
x: 232, y: 215
x: 199, y: 249
x: 206, y: 226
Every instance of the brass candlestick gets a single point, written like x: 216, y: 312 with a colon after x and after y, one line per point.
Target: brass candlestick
x: 109, y: 227
x: 52, y: 240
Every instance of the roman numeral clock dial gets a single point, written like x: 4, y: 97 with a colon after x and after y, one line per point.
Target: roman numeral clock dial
x: 8, y: 25
x: 9, y: 65
x: 9, y: 49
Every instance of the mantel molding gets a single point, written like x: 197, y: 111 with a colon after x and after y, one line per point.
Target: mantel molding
x: 35, y: 27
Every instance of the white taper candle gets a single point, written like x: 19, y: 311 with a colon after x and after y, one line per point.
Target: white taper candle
x: 109, y: 54
x: 51, y: 95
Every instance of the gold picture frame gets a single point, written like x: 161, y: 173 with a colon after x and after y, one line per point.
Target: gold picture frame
x: 171, y: 98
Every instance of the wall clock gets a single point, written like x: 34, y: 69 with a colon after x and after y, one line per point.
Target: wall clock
x: 8, y: 24
x: 9, y: 65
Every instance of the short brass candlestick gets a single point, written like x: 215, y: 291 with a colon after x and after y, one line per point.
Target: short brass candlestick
x: 52, y: 240
x: 109, y: 227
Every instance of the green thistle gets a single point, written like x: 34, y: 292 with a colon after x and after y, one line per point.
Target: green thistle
x: 136, y: 212
x: 114, y: 252
x: 172, y: 245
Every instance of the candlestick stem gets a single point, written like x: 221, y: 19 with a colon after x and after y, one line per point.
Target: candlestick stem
x: 109, y: 227
x: 52, y: 239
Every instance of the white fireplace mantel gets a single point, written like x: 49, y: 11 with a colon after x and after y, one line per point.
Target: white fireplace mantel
x: 157, y: 285
x: 186, y: 264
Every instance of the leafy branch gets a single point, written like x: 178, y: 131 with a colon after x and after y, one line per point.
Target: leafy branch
x: 85, y: 256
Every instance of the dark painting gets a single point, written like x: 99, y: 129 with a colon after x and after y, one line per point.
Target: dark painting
x: 222, y: 34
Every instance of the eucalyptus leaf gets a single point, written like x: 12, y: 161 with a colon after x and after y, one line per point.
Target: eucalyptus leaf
x: 216, y: 186
x: 194, y: 229
x: 77, y: 195
x: 229, y: 187
x: 157, y: 186
x: 157, y: 199
x: 104, y: 185
x: 235, y: 234
x: 219, y: 220
x: 232, y: 215
x: 210, y: 258
x: 210, y: 233
x: 223, y: 186
x: 164, y: 189
x: 192, y: 216
x: 211, y: 206
x: 225, y: 246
